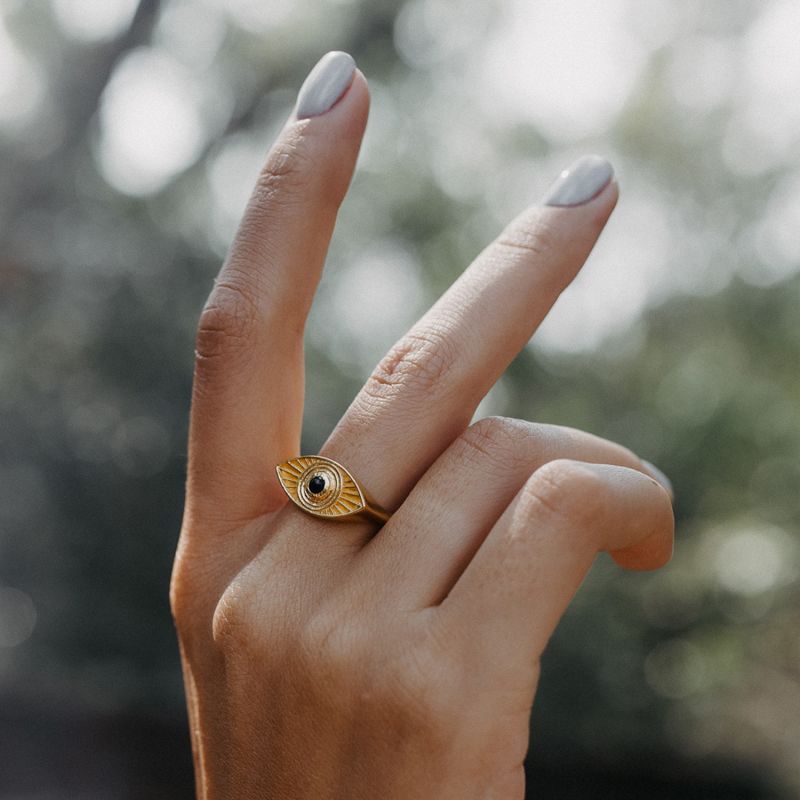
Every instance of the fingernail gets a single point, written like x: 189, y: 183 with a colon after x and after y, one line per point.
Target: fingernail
x: 325, y: 84
x: 580, y: 182
x: 656, y: 473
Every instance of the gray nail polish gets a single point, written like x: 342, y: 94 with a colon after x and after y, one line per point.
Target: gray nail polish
x: 656, y: 473
x: 325, y: 84
x: 580, y: 182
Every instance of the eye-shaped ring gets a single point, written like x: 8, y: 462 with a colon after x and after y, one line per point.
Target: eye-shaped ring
x: 324, y: 488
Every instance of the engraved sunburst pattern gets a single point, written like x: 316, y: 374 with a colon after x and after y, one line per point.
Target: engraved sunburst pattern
x: 320, y: 486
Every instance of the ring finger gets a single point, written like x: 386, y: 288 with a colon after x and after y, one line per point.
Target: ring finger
x: 435, y: 533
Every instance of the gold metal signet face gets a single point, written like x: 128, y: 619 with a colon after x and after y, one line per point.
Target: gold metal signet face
x: 320, y: 486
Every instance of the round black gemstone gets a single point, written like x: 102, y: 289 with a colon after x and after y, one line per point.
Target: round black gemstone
x: 316, y: 484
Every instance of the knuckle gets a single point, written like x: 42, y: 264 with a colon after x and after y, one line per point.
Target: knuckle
x: 180, y: 594
x: 226, y: 622
x: 529, y: 238
x: 421, y: 362
x: 497, y: 439
x: 227, y: 320
x: 537, y: 242
x: 189, y: 602
x: 288, y: 170
x: 290, y: 179
x: 567, y: 491
x: 232, y: 628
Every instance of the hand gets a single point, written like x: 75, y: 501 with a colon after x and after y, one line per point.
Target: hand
x: 323, y: 660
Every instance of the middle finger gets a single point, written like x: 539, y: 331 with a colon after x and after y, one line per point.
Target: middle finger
x: 424, y: 392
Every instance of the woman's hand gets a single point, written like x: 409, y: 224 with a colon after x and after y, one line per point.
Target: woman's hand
x: 322, y: 660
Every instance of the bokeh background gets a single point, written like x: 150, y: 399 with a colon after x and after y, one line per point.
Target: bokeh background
x: 131, y: 133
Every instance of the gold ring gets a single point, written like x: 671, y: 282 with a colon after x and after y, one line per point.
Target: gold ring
x: 324, y: 488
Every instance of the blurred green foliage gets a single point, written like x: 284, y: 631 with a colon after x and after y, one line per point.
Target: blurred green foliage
x: 698, y: 664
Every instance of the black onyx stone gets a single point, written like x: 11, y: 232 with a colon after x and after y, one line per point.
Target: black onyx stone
x: 316, y: 484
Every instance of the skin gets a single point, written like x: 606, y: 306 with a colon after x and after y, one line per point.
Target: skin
x: 321, y: 660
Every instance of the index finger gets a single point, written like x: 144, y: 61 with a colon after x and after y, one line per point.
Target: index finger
x: 247, y: 400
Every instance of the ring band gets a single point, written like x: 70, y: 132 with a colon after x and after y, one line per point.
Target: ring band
x: 324, y: 488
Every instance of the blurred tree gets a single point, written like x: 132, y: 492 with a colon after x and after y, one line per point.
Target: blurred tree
x: 128, y: 144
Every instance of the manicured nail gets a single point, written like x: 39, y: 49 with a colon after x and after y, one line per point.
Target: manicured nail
x: 580, y: 182
x: 325, y: 84
x: 656, y: 473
